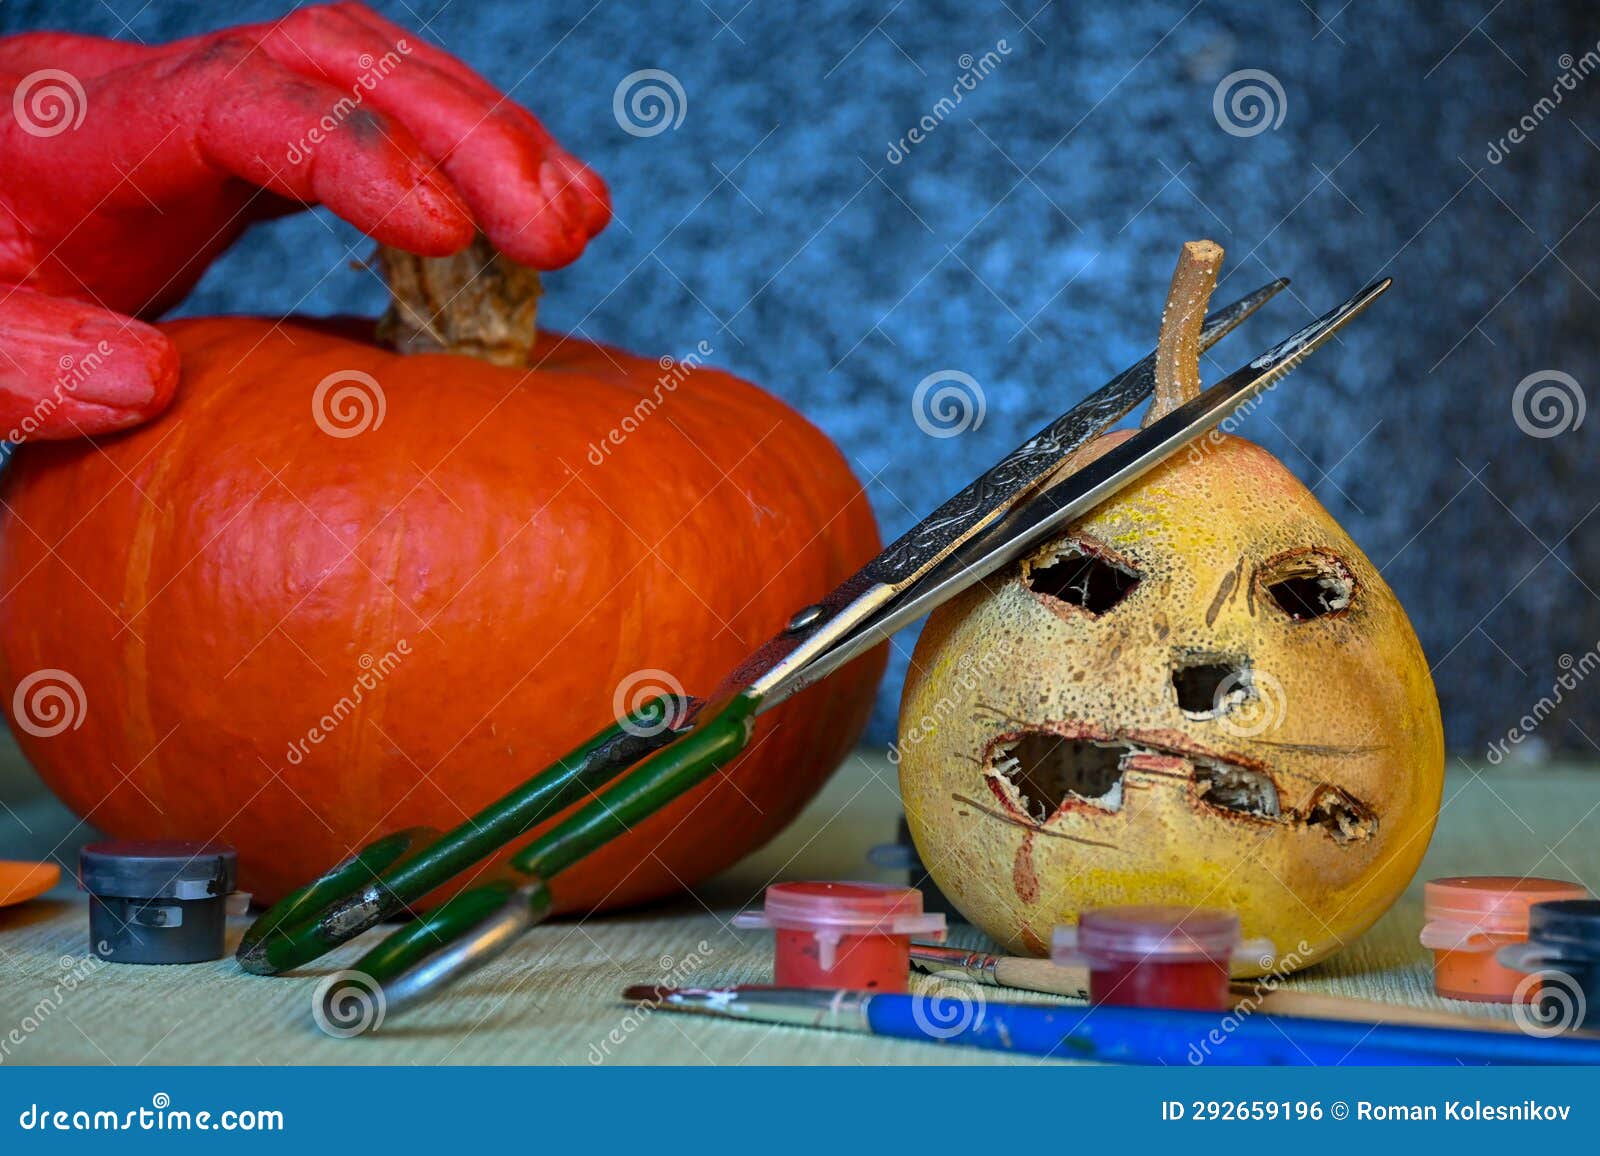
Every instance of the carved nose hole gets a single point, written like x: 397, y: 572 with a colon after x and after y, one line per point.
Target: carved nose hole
x: 1208, y: 687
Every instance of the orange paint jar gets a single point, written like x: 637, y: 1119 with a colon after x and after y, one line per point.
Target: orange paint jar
x: 1470, y: 917
x: 843, y: 935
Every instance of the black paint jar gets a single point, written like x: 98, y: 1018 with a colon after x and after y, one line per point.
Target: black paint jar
x: 1564, y: 948
x: 162, y: 901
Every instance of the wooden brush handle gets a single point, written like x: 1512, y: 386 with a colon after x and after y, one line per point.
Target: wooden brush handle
x: 1042, y: 975
x: 1312, y: 1005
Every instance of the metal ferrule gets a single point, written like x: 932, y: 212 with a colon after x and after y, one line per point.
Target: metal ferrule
x: 955, y: 963
x: 844, y: 1011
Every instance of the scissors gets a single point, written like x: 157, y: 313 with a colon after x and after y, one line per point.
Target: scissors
x: 673, y: 742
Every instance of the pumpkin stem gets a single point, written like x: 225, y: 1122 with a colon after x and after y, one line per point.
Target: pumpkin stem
x: 1178, y: 350
x: 476, y: 302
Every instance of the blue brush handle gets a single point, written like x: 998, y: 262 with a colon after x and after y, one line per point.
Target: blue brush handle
x: 1120, y: 1035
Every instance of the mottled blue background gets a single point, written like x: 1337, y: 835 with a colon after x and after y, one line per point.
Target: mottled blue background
x: 1029, y: 240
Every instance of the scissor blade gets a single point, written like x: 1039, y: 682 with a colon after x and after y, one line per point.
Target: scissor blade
x: 1051, y: 508
x: 986, y: 498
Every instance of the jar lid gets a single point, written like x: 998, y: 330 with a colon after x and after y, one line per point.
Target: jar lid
x: 1148, y: 932
x: 1494, y: 902
x: 848, y: 908
x: 157, y: 869
x: 1572, y: 924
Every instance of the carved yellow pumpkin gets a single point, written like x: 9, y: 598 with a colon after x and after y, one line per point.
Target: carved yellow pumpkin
x: 1202, y: 694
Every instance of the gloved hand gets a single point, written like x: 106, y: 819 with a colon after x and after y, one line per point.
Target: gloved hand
x: 126, y: 169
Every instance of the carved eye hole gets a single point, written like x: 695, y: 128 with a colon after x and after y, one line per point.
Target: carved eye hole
x: 1307, y: 584
x: 1075, y: 574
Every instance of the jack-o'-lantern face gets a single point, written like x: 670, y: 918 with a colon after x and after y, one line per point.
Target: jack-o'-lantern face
x: 1203, y: 694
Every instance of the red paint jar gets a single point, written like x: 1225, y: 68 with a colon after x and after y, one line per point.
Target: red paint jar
x: 1173, y: 957
x: 1470, y: 917
x: 843, y: 935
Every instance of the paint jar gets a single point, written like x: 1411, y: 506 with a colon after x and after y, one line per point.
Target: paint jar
x: 843, y: 935
x: 1172, y: 957
x: 1469, y: 918
x: 160, y: 901
x: 1561, y: 959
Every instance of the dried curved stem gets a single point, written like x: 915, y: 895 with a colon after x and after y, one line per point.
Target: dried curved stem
x: 476, y: 302
x: 1178, y: 351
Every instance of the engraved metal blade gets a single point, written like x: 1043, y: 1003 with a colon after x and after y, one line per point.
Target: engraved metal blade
x: 778, y: 667
x: 985, y: 498
x: 1040, y: 515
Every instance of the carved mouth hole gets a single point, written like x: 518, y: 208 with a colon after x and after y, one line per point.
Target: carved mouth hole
x: 1079, y: 578
x: 1048, y: 771
x: 1312, y: 584
x: 1241, y: 790
x: 1207, y: 689
x: 1344, y: 819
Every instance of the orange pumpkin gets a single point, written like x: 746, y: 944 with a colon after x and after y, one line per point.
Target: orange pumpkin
x: 337, y: 590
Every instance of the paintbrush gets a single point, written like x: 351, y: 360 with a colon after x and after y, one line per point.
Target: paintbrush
x: 1119, y: 1035
x: 1264, y: 995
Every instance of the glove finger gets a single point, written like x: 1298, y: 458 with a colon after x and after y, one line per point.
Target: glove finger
x: 418, y: 49
x: 536, y: 203
x: 70, y: 369
x: 596, y: 198
x: 84, y: 56
x: 302, y: 139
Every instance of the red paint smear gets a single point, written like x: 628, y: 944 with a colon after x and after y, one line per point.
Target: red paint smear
x: 1023, y: 877
x: 1155, y: 764
x: 1003, y: 798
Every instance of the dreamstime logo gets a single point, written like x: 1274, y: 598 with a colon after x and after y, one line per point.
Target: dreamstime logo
x: 635, y: 691
x: 373, y: 70
x: 347, y: 403
x: 74, y: 972
x: 49, y: 102
x: 1573, y: 71
x: 674, y: 372
x: 649, y: 102
x: 675, y: 971
x: 1548, y: 403
x: 373, y: 672
x: 942, y: 1016
x: 1275, y: 968
x: 969, y: 674
x: 973, y: 71
x: 948, y: 403
x: 1573, y: 672
x: 160, y: 1116
x: 1217, y: 436
x: 1249, y: 703
x: 348, y: 1003
x: 74, y: 371
x: 48, y: 702
x: 1249, y: 102
x: 1548, y: 1003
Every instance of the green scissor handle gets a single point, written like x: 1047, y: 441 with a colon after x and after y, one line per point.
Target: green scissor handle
x: 482, y: 921
x: 398, y: 870
x: 716, y: 737
x: 357, y: 873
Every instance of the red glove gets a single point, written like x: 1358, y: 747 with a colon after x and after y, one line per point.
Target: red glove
x: 127, y: 169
